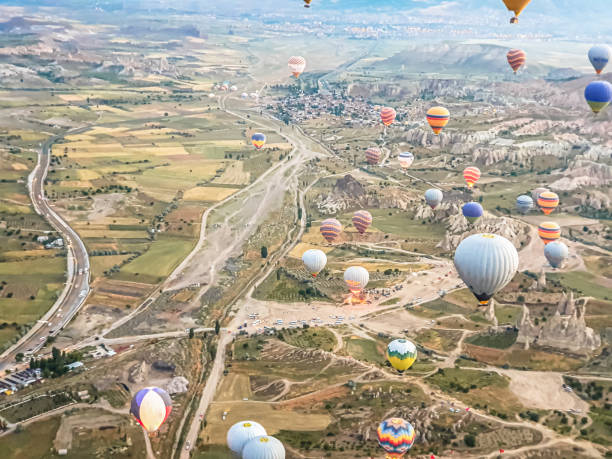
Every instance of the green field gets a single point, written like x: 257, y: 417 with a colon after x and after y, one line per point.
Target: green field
x: 33, y: 442
x: 311, y: 338
x: 366, y: 350
x: 582, y: 282
x: 496, y: 340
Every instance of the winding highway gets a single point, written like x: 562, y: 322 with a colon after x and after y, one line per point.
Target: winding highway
x: 77, y: 280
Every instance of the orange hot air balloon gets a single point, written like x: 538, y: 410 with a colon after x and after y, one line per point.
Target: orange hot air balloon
x: 437, y: 117
x: 548, y: 201
x: 373, y: 155
x: 307, y: 3
x: 549, y: 231
x: 387, y: 115
x: 516, y: 58
x: 471, y: 175
x: 516, y: 6
x: 330, y: 229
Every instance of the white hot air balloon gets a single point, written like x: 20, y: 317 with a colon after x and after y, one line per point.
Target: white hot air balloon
x: 556, y: 252
x: 264, y: 447
x: 314, y: 260
x: 405, y: 159
x: 356, y: 278
x: 296, y: 64
x: 524, y: 203
x: 241, y: 433
x: 486, y: 263
x: 433, y: 197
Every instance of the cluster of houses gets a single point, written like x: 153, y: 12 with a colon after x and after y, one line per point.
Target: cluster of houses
x: 19, y: 380
x: 50, y: 243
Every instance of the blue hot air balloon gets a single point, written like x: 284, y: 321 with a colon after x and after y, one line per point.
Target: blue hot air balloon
x: 472, y: 211
x: 524, y: 203
x: 151, y: 407
x: 598, y: 95
x: 599, y: 55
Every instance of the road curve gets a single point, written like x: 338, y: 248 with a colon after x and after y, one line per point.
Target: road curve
x: 77, y: 282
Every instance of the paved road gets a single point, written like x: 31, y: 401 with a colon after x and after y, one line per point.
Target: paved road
x: 77, y: 281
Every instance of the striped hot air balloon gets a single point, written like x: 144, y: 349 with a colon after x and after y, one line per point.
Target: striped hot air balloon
x: 373, y: 155
x: 548, y: 201
x: 516, y: 59
x: 296, y: 64
x: 151, y: 407
x: 362, y: 219
x: 598, y: 95
x: 549, y: 231
x: 396, y: 436
x: 405, y: 159
x: 258, y: 140
x: 331, y: 229
x: 471, y: 175
x: 387, y: 115
x: 401, y: 354
x: 437, y: 117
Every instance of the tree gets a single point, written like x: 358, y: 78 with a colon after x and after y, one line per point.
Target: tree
x: 191, y: 333
x: 217, y: 327
x: 470, y: 440
x: 264, y: 252
x: 19, y: 357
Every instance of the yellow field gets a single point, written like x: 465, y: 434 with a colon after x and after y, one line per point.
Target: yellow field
x: 79, y: 137
x: 86, y: 174
x: 29, y: 136
x: 273, y: 419
x: 72, y: 97
x: 108, y: 108
x: 21, y: 254
x: 282, y: 146
x: 19, y: 167
x: 302, y: 247
x: 110, y: 234
x: 208, y: 193
x: 234, y: 175
x: 86, y: 149
x: 169, y: 149
x: 236, y: 386
x: 76, y: 184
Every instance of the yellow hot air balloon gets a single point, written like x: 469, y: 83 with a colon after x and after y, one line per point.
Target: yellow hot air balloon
x: 401, y: 354
x: 437, y: 117
x: 516, y: 6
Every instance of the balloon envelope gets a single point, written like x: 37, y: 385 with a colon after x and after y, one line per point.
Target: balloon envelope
x: 516, y: 6
x: 258, y: 139
x: 535, y: 194
x: 362, y: 219
x: 401, y: 354
x: 387, y: 115
x: 548, y: 201
x: 356, y: 278
x: 549, y: 231
x: 471, y: 175
x: 598, y: 95
x: 599, y: 55
x: 331, y: 229
x: 406, y: 159
x: 264, y: 447
x: 524, y: 203
x: 396, y: 436
x: 437, y: 117
x: 296, y: 64
x: 242, y: 432
x: 472, y: 211
x: 486, y: 263
x: 556, y: 253
x: 151, y: 406
x: 373, y: 155
x: 314, y: 260
x: 433, y: 197
x: 516, y: 58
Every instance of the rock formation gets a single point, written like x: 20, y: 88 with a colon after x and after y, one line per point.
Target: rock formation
x: 566, y: 329
x: 584, y: 173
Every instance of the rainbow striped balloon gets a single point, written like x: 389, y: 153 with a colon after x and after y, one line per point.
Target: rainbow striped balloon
x: 549, y: 231
x: 396, y: 436
x: 437, y: 117
x: 331, y: 229
x: 362, y: 219
x: 516, y: 59
x: 387, y: 115
x: 258, y: 139
x: 471, y: 175
x: 548, y: 201
x: 373, y: 155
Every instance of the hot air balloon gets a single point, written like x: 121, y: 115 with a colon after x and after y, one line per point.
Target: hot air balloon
x: 405, y: 159
x: 387, y: 115
x: 297, y: 64
x: 516, y: 58
x: 556, y: 253
x: 549, y: 231
x: 362, y: 219
x: 307, y: 3
x: 471, y: 175
x: 433, y: 197
x: 472, y: 211
x: 516, y: 6
x: 548, y: 201
x: 258, y: 139
x: 401, y: 354
x: 524, y: 203
x: 314, y: 260
x: 356, y: 278
x: 437, y: 117
x: 598, y: 95
x: 264, y: 447
x: 151, y: 407
x: 535, y: 194
x: 396, y: 436
x: 373, y: 155
x: 486, y: 263
x: 241, y: 433
x: 331, y: 229
x: 599, y: 55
